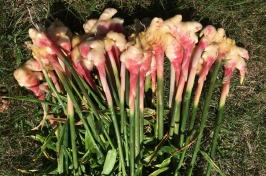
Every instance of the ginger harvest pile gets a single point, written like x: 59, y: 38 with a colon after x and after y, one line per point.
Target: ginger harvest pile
x: 106, y: 87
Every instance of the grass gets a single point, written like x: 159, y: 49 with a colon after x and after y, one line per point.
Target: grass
x: 242, y: 143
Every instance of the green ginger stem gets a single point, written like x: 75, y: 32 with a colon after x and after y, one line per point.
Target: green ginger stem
x: 204, y: 114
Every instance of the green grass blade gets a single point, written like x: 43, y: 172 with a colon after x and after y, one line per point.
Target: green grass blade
x: 97, y: 130
x: 47, y: 141
x: 65, y: 147
x: 210, y: 161
x: 41, y: 139
x: 157, y: 172
x: 34, y: 100
x: 164, y: 163
x: 60, y: 149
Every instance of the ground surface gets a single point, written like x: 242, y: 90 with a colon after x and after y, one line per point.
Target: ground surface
x: 242, y: 145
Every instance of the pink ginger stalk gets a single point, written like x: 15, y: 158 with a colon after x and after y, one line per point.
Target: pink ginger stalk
x: 224, y: 47
x: 174, y: 52
x: 132, y: 58
x: 145, y: 66
x: 122, y: 82
x: 43, y: 53
x: 156, y: 38
x: 38, y: 39
x: 49, y: 42
x: 82, y: 65
x: 154, y: 35
x: 153, y: 70
x: 185, y: 32
x: 115, y: 41
x: 234, y: 59
x: 40, y: 54
x: 152, y: 73
x: 215, y: 51
x: 104, y: 24
x: 89, y: 25
x: 46, y: 47
x: 29, y: 76
x: 76, y: 40
x: 96, y: 54
x: 58, y: 34
x: 41, y: 49
x: 210, y: 35
x: 208, y: 58
x: 204, y: 64
x: 114, y: 46
x: 62, y: 36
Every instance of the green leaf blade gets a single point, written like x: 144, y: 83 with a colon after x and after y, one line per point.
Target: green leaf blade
x: 211, y: 162
x: 109, y: 162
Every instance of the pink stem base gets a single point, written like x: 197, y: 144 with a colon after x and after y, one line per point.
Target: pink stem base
x: 102, y: 73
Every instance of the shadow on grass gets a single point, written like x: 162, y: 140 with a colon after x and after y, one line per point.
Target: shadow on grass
x: 73, y: 19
